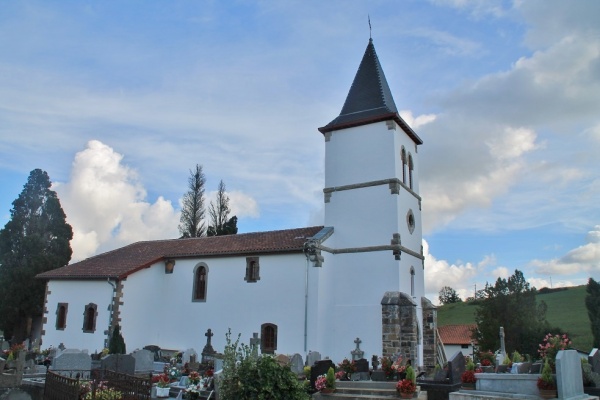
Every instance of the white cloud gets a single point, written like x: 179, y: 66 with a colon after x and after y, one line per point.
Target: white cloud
x: 585, y: 258
x: 106, y: 204
x: 416, y: 122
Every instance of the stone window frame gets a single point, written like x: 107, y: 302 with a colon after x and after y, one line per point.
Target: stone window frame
x: 252, y: 270
x: 200, y: 286
x: 61, y: 316
x: 411, y: 167
x: 90, y: 314
x: 268, y: 338
x: 403, y: 158
x: 410, y: 221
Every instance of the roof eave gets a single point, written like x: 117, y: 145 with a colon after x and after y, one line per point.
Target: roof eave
x: 371, y: 120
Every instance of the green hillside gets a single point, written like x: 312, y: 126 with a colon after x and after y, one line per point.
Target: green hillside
x: 566, y: 310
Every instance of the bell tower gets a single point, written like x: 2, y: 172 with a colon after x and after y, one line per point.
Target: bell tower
x: 372, y: 202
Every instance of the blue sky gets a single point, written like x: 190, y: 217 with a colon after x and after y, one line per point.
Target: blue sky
x: 117, y: 100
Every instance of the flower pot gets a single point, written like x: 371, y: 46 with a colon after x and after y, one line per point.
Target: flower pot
x: 327, y: 390
x: 162, y: 391
x: 467, y: 386
x: 406, y: 395
x: 548, y: 393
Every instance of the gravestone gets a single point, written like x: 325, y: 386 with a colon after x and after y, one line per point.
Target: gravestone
x: 568, y: 374
x: 456, y: 367
x: 357, y: 353
x: 123, y: 363
x: 536, y: 368
x: 320, y: 368
x: 375, y: 362
x: 502, y: 368
x: 523, y: 368
x: 297, y: 364
x: 72, y: 360
x: 155, y: 351
x: 362, y: 370
x: 312, y: 358
x: 502, y: 345
x: 488, y: 369
x: 144, y: 360
x: 594, y: 360
x: 190, y: 355
x: 282, y: 359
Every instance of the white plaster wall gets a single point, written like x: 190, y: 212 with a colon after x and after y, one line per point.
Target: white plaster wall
x: 451, y: 349
x: 162, y: 303
x: 77, y: 294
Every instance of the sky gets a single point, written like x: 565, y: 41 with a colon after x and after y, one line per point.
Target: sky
x: 119, y: 100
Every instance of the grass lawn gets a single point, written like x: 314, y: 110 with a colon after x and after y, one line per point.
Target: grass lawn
x: 566, y: 310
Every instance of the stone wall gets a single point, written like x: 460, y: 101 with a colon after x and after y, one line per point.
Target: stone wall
x: 399, y: 325
x: 429, y: 336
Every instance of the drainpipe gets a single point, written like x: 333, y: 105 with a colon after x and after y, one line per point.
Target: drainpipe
x: 111, y: 305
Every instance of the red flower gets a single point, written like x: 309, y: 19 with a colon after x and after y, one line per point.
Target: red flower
x: 406, y: 386
x: 468, y: 377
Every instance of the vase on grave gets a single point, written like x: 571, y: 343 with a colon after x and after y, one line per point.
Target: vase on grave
x: 468, y: 386
x: 162, y: 391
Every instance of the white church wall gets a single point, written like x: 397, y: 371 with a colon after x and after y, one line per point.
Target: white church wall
x: 349, y: 158
x: 77, y: 294
x: 162, y: 303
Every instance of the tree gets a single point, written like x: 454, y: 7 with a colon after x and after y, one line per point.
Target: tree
x: 592, y: 303
x: 117, y: 343
x: 511, y: 304
x: 191, y: 222
x: 448, y: 295
x: 219, y: 213
x: 35, y: 240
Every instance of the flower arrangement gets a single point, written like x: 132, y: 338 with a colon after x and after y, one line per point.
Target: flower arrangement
x: 406, y: 386
x: 468, y: 377
x: 174, y: 373
x: 209, y: 373
x: 551, y: 345
x: 321, y: 382
x: 340, y: 375
x: 487, y: 358
x: 347, y: 366
x: 546, y: 380
x: 390, y: 368
x: 102, y: 392
x: 194, y: 377
x: 163, y: 380
x: 193, y: 391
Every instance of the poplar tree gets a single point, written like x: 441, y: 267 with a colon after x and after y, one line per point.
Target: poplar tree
x: 220, y: 223
x: 191, y: 222
x: 34, y: 240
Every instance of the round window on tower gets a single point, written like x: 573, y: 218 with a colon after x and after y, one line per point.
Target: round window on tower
x: 410, y: 221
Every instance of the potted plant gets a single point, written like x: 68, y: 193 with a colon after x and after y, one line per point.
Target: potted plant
x: 347, y: 367
x: 163, y: 385
x: 545, y: 382
x: 551, y: 345
x: 407, y: 387
x: 330, y: 381
x: 468, y: 378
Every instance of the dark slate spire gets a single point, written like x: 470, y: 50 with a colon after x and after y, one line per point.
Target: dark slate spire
x: 369, y: 99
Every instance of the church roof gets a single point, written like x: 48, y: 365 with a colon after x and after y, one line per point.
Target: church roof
x: 119, y: 263
x: 369, y: 99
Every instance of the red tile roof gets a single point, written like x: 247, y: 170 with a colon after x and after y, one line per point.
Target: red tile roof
x: 122, y: 262
x: 456, y: 334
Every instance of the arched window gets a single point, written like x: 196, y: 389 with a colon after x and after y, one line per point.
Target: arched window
x: 410, y: 171
x: 403, y: 156
x: 61, y: 316
x: 412, y: 282
x: 89, y: 318
x: 268, y: 338
x: 200, y: 279
x: 252, y: 269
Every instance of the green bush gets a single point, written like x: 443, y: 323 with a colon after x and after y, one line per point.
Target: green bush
x: 410, y: 374
x: 331, y: 378
x: 246, y: 376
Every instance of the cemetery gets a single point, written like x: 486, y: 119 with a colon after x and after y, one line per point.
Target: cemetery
x: 153, y: 372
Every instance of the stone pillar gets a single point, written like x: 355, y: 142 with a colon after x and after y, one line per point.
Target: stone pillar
x: 429, y: 336
x: 399, y: 325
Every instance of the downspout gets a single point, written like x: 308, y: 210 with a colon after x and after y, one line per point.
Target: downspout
x: 306, y: 309
x: 112, y: 307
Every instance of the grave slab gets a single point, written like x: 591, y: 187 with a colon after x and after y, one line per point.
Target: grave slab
x: 568, y: 375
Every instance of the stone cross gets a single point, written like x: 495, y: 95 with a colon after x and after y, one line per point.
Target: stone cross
x: 254, y: 343
x: 502, y: 345
x: 357, y: 353
x: 208, y: 335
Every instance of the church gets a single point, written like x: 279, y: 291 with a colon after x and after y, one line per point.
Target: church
x: 320, y: 288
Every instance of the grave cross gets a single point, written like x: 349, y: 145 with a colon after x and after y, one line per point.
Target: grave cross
x: 358, y: 342
x: 254, y: 342
x: 208, y: 335
x: 502, y: 345
x: 357, y: 353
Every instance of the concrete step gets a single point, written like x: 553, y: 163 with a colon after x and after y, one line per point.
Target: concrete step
x: 365, y: 390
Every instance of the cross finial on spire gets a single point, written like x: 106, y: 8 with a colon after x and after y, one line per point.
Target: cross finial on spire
x: 369, y: 17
